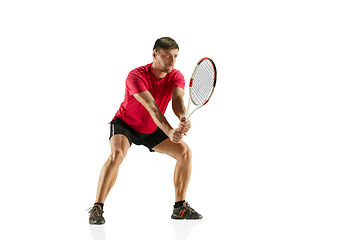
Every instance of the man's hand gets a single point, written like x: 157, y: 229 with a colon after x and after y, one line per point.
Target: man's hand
x: 175, y: 135
x: 184, y: 125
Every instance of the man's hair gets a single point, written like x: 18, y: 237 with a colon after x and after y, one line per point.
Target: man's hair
x: 165, y: 43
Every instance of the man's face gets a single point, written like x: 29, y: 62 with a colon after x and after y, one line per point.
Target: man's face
x: 165, y: 59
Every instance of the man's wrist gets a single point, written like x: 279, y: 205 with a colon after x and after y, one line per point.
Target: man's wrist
x: 181, y: 116
x: 169, y: 131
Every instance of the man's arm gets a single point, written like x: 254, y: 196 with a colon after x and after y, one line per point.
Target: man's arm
x: 147, y: 100
x: 178, y: 102
x: 179, y: 108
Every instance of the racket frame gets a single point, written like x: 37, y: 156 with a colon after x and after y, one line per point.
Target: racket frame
x: 187, y: 115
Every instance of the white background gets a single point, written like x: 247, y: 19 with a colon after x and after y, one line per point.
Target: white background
x: 275, y: 152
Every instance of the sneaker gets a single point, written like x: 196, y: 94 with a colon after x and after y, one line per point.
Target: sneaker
x: 185, y: 212
x: 96, y: 215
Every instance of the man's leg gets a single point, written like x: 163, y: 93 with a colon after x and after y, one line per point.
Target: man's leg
x: 182, y: 153
x: 119, y: 146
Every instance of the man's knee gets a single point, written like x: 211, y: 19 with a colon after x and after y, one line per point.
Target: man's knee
x: 185, y: 155
x: 116, y: 156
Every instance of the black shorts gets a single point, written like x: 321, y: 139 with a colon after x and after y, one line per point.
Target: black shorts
x: 149, y: 140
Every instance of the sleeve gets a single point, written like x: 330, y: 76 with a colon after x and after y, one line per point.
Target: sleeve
x: 135, y: 83
x: 179, y: 80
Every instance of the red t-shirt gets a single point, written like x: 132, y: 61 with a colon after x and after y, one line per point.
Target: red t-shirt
x: 141, y: 79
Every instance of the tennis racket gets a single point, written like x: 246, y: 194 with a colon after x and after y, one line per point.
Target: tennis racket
x: 202, y: 85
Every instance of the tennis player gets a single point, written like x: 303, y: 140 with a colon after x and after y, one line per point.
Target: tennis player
x: 140, y: 120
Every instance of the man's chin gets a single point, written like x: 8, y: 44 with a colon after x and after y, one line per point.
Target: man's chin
x: 167, y: 70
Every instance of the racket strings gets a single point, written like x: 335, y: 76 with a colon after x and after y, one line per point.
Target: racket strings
x: 201, y: 91
x: 203, y: 81
x: 202, y: 86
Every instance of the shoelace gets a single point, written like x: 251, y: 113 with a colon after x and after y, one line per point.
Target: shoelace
x: 95, y: 210
x: 187, y: 206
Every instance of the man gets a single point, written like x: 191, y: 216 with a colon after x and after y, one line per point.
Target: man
x: 140, y: 120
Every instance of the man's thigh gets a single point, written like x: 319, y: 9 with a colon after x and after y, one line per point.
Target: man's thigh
x: 175, y: 150
x: 119, y: 142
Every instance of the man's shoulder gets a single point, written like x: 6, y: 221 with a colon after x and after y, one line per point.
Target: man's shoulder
x: 176, y: 73
x: 141, y: 70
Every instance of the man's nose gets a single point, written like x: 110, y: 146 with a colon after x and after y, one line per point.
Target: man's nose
x: 172, y: 59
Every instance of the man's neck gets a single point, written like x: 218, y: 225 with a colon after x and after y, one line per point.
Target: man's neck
x: 157, y: 72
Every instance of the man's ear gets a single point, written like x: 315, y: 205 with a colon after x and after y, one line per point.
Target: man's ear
x: 154, y: 53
